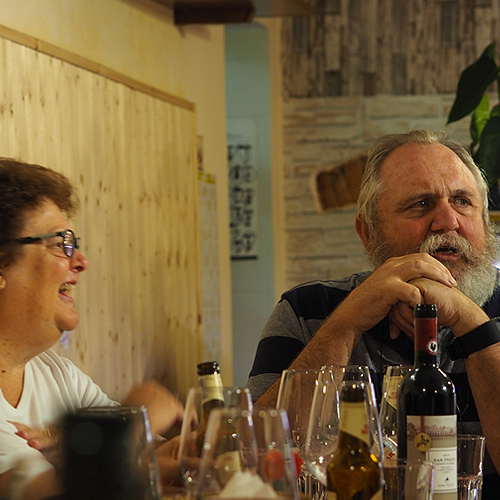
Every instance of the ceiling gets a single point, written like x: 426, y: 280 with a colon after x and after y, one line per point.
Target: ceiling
x: 235, y: 11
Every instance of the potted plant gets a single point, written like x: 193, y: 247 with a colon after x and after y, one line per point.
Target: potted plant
x: 472, y: 97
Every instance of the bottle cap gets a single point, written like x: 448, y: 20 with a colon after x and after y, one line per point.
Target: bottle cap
x: 208, y: 368
x: 426, y: 311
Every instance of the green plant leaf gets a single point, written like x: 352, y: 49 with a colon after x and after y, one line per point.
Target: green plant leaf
x: 478, y: 120
x: 488, y: 155
x: 495, y: 111
x: 473, y: 82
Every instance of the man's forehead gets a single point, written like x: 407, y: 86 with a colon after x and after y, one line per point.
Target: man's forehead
x: 414, y: 169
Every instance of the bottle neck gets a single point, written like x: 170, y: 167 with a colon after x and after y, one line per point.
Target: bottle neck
x: 426, y: 347
x: 212, y: 387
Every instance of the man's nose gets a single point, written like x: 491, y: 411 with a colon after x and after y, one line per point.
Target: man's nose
x: 444, y: 218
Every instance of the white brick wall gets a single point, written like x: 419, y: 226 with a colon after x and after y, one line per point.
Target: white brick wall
x: 319, y: 132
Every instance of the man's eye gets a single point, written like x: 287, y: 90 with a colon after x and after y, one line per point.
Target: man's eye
x: 420, y: 204
x: 463, y: 202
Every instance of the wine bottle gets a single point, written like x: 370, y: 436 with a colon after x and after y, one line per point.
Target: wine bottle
x: 210, y: 383
x: 354, y: 472
x: 389, y: 410
x: 427, y: 421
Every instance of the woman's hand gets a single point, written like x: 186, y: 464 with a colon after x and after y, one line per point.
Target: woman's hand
x: 167, y: 455
x: 46, y: 440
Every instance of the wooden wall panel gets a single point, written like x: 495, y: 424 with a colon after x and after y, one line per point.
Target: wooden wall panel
x: 392, y: 47
x: 132, y: 157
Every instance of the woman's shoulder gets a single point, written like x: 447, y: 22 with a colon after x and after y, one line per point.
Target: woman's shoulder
x: 50, y: 361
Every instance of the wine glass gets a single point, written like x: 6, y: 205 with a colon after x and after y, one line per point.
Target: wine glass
x: 388, y: 409
x: 276, y: 462
x: 295, y: 396
x: 229, y: 459
x: 192, y: 436
x: 323, y: 428
x: 360, y: 374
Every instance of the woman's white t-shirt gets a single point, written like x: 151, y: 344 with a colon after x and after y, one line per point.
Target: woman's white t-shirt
x: 53, y: 386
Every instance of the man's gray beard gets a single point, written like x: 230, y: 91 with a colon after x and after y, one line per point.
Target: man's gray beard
x: 476, y: 277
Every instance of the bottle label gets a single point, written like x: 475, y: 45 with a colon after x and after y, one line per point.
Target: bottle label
x: 353, y: 421
x: 212, y: 387
x: 392, y: 390
x: 425, y: 335
x: 434, y: 438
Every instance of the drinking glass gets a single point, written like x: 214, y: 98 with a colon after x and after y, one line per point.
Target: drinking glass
x: 295, y: 396
x: 360, y: 375
x: 470, y: 454
x: 323, y: 428
x: 388, y: 409
x: 228, y: 466
x: 109, y: 455
x: 408, y: 480
x: 190, y: 442
x: 276, y: 462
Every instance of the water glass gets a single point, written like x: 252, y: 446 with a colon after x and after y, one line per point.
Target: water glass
x: 470, y: 454
x: 408, y: 480
x: 109, y: 455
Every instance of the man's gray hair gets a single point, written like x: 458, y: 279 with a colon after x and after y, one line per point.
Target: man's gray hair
x: 371, y: 187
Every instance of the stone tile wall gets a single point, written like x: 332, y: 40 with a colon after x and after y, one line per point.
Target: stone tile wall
x: 320, y: 132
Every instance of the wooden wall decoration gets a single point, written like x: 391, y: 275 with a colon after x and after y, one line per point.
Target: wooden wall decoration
x: 132, y: 156
x: 369, y: 47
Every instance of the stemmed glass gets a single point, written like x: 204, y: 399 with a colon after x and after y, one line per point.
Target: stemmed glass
x: 388, y: 409
x: 295, y: 396
x: 190, y: 440
x: 360, y: 374
x: 276, y: 463
x: 323, y: 428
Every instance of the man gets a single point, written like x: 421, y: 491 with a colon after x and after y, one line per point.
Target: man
x: 423, y: 220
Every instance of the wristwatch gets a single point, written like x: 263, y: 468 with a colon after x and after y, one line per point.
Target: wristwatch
x: 479, y: 338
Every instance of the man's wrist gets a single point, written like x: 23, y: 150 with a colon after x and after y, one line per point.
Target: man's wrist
x: 483, y: 336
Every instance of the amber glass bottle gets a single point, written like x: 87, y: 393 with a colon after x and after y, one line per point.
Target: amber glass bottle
x: 354, y: 472
x: 210, y: 382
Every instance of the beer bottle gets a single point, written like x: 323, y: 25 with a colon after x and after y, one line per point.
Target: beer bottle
x: 354, y: 472
x: 212, y: 388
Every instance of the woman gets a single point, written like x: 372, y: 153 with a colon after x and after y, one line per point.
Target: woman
x: 40, y: 265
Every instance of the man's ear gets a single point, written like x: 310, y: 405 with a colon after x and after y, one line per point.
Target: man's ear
x: 363, y: 231
x: 3, y: 282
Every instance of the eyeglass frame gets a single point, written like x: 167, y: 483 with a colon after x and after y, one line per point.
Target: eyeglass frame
x: 69, y: 250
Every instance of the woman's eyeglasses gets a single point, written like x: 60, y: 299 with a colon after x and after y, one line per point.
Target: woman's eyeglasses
x: 69, y: 241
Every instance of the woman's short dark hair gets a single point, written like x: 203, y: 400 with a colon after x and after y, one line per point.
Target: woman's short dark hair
x: 23, y: 188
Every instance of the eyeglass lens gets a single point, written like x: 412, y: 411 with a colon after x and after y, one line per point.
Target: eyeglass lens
x: 69, y: 243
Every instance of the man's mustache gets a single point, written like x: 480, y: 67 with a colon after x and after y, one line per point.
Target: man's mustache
x: 459, y: 244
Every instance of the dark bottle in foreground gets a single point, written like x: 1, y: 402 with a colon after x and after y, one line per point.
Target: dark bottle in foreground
x: 427, y: 422
x: 210, y: 383
x: 354, y: 472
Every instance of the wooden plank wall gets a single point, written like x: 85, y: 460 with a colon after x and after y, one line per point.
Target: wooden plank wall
x: 397, y: 47
x: 132, y: 157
